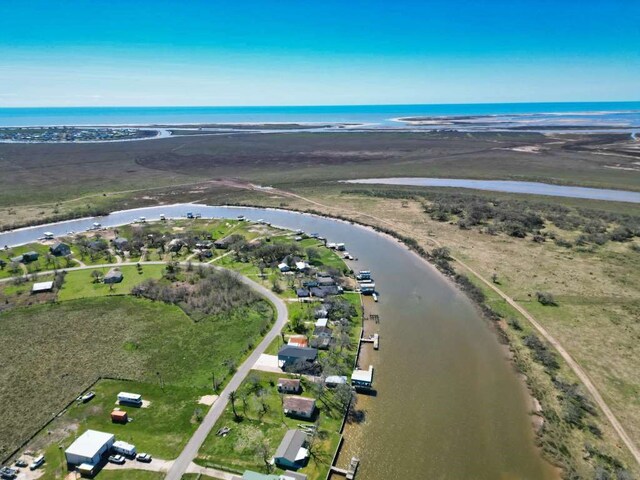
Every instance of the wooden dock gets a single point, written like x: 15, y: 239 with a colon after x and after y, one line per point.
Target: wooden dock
x: 349, y: 473
x: 375, y: 339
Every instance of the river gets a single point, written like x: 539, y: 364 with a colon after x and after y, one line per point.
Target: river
x: 510, y: 186
x: 449, y: 405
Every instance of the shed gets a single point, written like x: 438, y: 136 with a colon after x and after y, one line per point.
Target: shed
x: 89, y: 448
x: 119, y: 416
x: 60, y: 249
x: 289, y: 385
x: 113, y: 276
x: 291, y: 452
x: 300, y: 407
x: 335, y: 380
x: 322, y: 322
x: 42, y: 287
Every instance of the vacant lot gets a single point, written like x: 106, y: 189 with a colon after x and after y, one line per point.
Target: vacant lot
x: 56, y: 350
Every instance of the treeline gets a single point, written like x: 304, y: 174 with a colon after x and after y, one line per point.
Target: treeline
x: 207, y: 292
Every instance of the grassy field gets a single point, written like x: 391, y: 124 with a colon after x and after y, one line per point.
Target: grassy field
x: 110, y: 336
x: 262, y: 422
x: 81, y: 284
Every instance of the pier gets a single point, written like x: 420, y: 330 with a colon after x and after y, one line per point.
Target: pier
x: 349, y: 473
x: 375, y: 339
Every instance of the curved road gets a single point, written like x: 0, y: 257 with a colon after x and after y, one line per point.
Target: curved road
x: 180, y: 465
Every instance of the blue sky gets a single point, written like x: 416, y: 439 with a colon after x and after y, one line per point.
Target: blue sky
x: 282, y: 52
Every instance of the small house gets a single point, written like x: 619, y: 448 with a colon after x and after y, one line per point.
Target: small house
x: 289, y: 385
x: 30, y: 256
x: 289, y: 355
x: 299, y: 407
x: 40, y: 287
x: 121, y: 243
x: 292, y: 451
x: 119, y: 416
x: 60, y: 249
x: 175, y: 245
x: 335, y: 380
x: 113, y: 276
x: 303, y: 293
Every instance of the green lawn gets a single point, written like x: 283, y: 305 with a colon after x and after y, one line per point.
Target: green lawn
x: 237, y: 451
x: 80, y: 283
x: 111, y: 336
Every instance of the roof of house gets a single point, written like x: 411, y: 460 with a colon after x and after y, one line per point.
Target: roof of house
x: 298, y: 341
x: 298, y: 352
x: 120, y: 240
x: 288, y: 475
x: 113, y: 273
x: 336, y: 379
x: 58, y: 245
x: 302, y: 292
x: 299, y: 404
x: 42, y: 286
x: 322, y: 331
x: 322, y: 322
x: 89, y: 443
x: 291, y: 444
x: 289, y: 383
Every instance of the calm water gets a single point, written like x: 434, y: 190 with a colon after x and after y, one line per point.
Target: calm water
x: 449, y: 405
x: 623, y: 114
x: 533, y: 188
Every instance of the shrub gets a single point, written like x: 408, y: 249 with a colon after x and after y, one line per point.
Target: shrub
x: 546, y: 298
x: 541, y: 353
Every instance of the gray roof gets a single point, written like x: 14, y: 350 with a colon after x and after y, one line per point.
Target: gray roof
x: 113, y: 273
x: 298, y: 352
x: 291, y: 444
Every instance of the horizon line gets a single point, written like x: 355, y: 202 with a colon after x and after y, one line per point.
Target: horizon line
x: 323, y: 105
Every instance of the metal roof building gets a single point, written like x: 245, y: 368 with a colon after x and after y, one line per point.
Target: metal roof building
x: 89, y: 448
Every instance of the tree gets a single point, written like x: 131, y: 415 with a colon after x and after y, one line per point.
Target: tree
x: 233, y: 396
x: 97, y: 275
x: 494, y: 277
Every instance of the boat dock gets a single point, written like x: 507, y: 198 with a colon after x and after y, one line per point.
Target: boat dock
x: 349, y: 473
x: 375, y: 339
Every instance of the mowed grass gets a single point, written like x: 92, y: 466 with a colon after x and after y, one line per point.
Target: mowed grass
x: 54, y: 351
x: 81, y: 284
x: 237, y: 451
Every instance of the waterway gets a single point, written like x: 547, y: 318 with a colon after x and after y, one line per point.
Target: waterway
x: 533, y: 188
x: 449, y: 405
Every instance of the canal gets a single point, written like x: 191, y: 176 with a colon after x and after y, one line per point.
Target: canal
x: 449, y: 405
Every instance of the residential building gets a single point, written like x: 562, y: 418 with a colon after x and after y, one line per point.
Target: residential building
x: 292, y: 452
x: 299, y: 407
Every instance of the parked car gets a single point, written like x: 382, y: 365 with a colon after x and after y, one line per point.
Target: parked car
x: 7, y: 473
x: 118, y: 459
x: 21, y: 463
x: 37, y: 462
x: 143, y: 457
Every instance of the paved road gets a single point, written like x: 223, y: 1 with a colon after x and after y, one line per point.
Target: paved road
x: 181, y: 464
x: 190, y: 451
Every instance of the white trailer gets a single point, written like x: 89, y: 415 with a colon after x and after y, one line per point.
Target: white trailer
x: 126, y: 398
x: 124, y: 448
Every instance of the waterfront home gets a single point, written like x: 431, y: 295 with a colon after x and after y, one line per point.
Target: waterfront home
x: 120, y: 243
x: 362, y: 378
x: 292, y: 451
x: 113, y: 276
x: 299, y: 407
x: 60, y: 249
x: 289, y: 385
x: 288, y: 355
x: 325, y: 291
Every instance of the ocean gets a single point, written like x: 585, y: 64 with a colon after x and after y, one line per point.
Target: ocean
x: 622, y: 115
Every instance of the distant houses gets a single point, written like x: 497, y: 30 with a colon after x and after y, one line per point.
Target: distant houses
x: 113, y: 276
x: 292, y: 451
x: 60, y: 249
